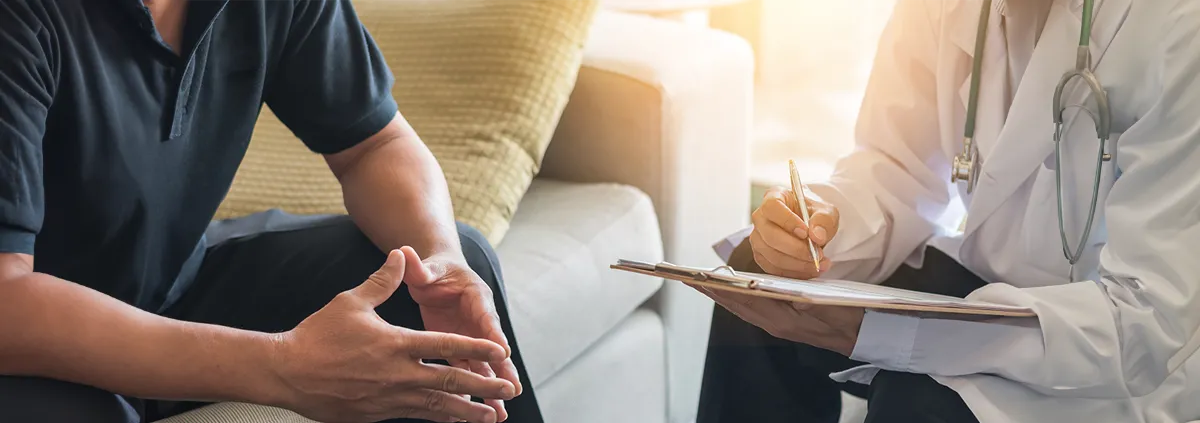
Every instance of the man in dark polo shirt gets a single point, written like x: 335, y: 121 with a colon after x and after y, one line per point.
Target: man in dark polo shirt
x: 121, y: 126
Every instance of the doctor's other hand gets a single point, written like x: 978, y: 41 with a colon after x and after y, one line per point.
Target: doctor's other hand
x: 344, y: 363
x: 832, y: 328
x: 780, y: 237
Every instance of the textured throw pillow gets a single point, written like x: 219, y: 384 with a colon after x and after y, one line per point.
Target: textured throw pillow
x: 483, y: 82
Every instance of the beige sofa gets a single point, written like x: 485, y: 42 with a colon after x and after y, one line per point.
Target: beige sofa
x: 649, y: 162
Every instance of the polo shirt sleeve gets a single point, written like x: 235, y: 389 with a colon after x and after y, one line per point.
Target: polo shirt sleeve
x: 26, y: 92
x: 331, y: 86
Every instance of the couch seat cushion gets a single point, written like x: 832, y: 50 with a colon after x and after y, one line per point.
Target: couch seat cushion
x: 555, y: 258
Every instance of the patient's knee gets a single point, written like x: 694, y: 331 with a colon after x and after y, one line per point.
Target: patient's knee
x: 480, y: 255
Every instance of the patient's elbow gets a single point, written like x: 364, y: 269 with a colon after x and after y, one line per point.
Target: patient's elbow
x: 15, y: 266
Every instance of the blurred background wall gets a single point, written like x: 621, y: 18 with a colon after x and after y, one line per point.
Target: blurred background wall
x: 814, y: 57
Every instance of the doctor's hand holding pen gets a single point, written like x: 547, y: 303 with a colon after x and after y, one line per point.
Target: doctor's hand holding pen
x: 791, y: 229
x: 781, y: 245
x: 781, y: 236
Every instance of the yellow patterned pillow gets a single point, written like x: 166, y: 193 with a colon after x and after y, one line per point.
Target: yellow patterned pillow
x: 483, y: 82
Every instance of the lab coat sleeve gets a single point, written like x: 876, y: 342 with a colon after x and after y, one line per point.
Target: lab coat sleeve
x: 1123, y: 335
x: 894, y: 186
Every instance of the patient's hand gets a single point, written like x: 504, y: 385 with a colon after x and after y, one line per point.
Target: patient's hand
x: 780, y: 236
x: 346, y: 364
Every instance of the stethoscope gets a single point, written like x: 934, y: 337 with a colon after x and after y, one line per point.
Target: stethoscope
x: 967, y: 164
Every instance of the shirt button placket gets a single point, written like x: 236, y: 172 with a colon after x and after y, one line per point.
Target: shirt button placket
x: 184, y: 98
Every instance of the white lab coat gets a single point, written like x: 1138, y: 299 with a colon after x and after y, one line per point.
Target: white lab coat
x: 1118, y: 348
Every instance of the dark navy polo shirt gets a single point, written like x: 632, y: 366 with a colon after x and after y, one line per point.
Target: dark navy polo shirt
x: 115, y: 152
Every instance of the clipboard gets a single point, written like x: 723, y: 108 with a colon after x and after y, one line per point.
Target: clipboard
x: 825, y: 292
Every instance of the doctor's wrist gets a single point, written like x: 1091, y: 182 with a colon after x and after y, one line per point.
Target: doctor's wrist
x: 838, y: 328
x: 845, y: 344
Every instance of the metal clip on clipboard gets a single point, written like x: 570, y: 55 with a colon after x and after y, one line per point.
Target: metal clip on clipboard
x: 722, y: 274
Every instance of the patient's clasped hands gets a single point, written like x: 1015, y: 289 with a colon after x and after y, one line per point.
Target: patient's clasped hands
x: 346, y: 364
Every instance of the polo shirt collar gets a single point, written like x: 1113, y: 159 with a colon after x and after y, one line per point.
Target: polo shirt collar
x: 200, y: 12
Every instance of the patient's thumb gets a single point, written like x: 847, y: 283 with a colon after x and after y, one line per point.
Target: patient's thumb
x: 383, y: 283
x: 416, y: 271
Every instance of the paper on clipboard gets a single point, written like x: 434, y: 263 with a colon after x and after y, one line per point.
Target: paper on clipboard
x: 834, y: 292
x: 838, y: 289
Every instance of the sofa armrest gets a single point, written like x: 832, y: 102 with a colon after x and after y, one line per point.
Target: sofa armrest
x: 667, y: 108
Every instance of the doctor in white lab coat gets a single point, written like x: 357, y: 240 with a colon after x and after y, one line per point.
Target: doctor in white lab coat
x: 1116, y: 346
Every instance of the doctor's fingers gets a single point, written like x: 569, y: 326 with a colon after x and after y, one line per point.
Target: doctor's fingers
x: 749, y: 308
x: 801, y: 271
x: 788, y: 257
x: 781, y: 240
x: 776, y: 317
x: 807, y: 272
x: 779, y: 208
x: 798, y: 258
x: 823, y: 223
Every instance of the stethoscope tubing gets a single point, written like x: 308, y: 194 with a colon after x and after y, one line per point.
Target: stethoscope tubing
x: 968, y: 161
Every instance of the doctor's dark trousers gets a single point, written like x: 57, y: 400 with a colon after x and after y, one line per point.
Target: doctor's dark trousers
x: 266, y: 281
x: 753, y: 377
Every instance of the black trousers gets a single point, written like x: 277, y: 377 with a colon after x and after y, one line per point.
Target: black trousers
x: 753, y: 377
x: 266, y: 282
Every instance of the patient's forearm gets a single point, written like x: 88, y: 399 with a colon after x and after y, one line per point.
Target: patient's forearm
x: 396, y: 192
x: 57, y: 329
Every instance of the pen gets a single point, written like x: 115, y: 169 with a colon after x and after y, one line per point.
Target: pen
x: 798, y: 192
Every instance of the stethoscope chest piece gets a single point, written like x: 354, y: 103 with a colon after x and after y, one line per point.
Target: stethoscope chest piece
x: 966, y: 166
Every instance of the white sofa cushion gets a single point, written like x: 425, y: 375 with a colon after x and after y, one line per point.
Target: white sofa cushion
x: 562, y: 295
x: 666, y: 107
x: 620, y: 379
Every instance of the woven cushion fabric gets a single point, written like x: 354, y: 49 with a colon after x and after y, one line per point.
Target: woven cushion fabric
x: 482, y: 81
x: 236, y: 412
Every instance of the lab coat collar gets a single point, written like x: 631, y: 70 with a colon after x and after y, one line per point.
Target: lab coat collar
x: 1014, y: 157
x: 963, y: 20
